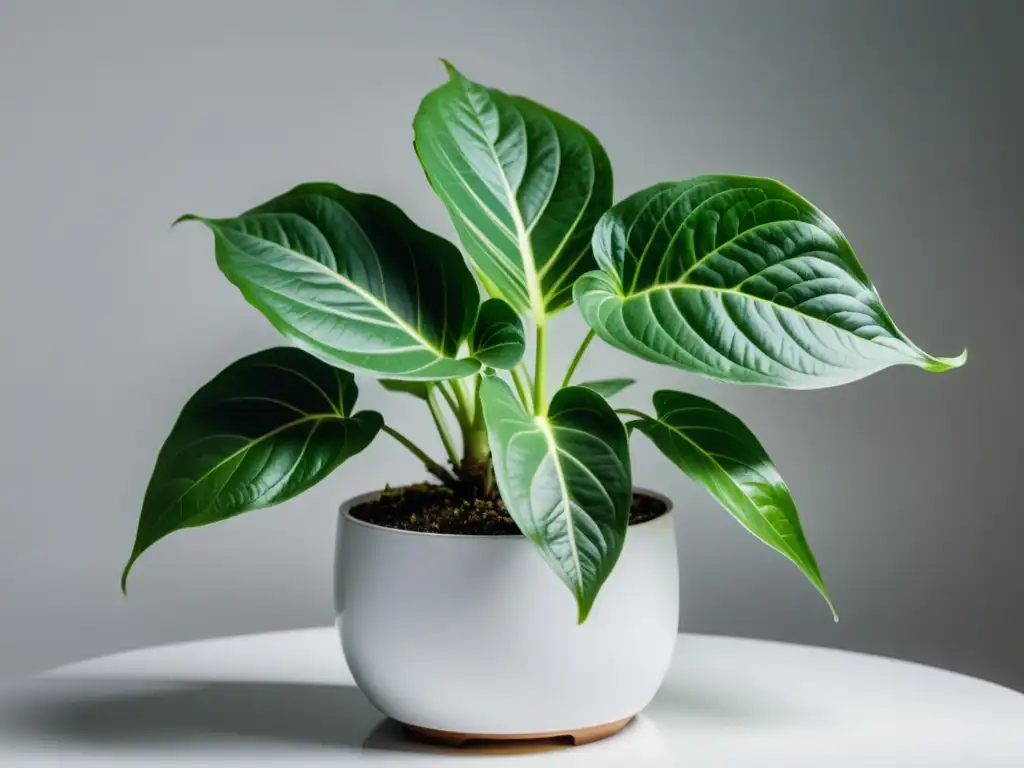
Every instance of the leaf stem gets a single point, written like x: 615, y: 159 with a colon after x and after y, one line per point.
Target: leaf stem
x: 523, y: 385
x: 579, y: 356
x: 448, y: 396
x: 440, y: 472
x: 442, y: 427
x: 540, y: 403
x: 464, y: 408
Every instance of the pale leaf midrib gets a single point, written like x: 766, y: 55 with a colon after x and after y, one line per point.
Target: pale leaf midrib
x: 533, y: 285
x: 695, y: 287
x: 352, y: 286
x: 544, y: 428
x: 788, y: 550
x: 317, y: 417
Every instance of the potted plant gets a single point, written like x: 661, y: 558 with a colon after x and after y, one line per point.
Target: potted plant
x: 453, y: 624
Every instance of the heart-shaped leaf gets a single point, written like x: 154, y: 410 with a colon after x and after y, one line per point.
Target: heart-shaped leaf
x: 714, y: 448
x: 265, y: 429
x: 349, y: 278
x: 497, y: 339
x: 742, y: 280
x: 524, y: 187
x: 565, y: 479
x: 608, y: 387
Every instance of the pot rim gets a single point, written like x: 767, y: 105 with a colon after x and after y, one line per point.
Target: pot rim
x: 345, y: 512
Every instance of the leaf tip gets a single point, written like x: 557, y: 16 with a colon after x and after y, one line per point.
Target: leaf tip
x: 186, y: 217
x: 583, y: 605
x: 829, y: 603
x: 453, y: 73
x: 942, y: 364
x: 124, y: 576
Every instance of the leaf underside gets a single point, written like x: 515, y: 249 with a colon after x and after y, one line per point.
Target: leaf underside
x: 565, y: 479
x: 742, y: 280
x: 715, y: 449
x: 524, y: 187
x: 265, y: 429
x: 608, y: 387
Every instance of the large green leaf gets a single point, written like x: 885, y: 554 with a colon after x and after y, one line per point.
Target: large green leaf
x: 717, y: 450
x: 265, y: 429
x: 565, y: 479
x: 497, y: 339
x: 349, y: 278
x: 524, y: 187
x: 742, y: 280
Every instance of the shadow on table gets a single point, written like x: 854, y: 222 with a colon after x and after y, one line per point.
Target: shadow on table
x: 152, y: 713
x: 131, y: 714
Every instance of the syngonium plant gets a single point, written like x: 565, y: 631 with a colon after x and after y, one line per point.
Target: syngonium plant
x: 735, y: 278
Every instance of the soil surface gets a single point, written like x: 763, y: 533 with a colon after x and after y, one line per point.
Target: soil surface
x: 438, y: 509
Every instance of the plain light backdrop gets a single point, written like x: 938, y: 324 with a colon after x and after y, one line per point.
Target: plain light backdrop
x: 901, y: 120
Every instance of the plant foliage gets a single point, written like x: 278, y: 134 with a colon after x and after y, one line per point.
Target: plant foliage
x: 734, y: 278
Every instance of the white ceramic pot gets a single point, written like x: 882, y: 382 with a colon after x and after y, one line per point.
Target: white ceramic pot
x: 477, y: 635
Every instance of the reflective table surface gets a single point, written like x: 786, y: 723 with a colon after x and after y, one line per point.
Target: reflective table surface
x: 287, y: 699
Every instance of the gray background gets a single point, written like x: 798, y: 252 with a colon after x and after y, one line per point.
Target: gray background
x: 902, y: 120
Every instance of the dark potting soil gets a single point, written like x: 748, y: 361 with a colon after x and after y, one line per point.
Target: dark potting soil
x: 438, y: 509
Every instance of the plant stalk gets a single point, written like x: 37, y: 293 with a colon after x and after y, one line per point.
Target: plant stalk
x: 579, y: 356
x: 448, y: 397
x: 442, y: 427
x: 540, y: 403
x: 436, y: 469
x: 475, y: 448
x: 464, y: 408
x: 523, y: 386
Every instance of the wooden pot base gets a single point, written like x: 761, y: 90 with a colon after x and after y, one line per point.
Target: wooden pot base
x: 575, y: 737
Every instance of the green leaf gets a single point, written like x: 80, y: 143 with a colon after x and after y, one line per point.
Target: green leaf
x: 349, y: 278
x: 607, y: 388
x: 524, y: 187
x: 265, y: 429
x: 418, y: 389
x: 565, y: 479
x: 715, y: 449
x: 742, y: 280
x: 497, y: 339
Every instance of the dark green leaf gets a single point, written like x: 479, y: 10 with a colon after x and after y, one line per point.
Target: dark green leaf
x: 607, y: 388
x: 524, y: 187
x: 417, y: 389
x: 742, y: 280
x: 349, y: 278
x: 265, y: 429
x: 715, y: 449
x: 497, y: 338
x: 565, y: 479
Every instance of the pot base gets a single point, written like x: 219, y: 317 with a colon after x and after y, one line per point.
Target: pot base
x: 575, y: 737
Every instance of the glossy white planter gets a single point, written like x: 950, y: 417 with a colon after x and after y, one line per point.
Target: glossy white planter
x: 476, y: 634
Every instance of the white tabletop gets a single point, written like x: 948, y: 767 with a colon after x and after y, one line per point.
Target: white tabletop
x: 287, y: 699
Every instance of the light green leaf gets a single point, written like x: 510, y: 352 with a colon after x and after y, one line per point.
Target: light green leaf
x: 715, y: 449
x: 565, y: 479
x: 497, y: 339
x: 742, y: 280
x: 607, y: 388
x: 524, y: 187
x: 349, y: 278
x: 265, y: 429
